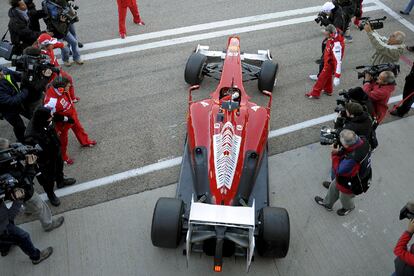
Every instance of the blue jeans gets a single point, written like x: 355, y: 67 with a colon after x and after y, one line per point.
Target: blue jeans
x: 409, y: 6
x: 21, y: 238
x: 72, y: 45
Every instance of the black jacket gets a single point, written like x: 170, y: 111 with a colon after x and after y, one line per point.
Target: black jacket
x: 361, y: 125
x: 7, y: 215
x: 11, y: 97
x: 54, y: 24
x: 21, y: 34
x: 50, y: 159
x: 336, y: 18
x: 34, y: 15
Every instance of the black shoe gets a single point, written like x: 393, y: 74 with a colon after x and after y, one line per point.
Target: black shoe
x: 410, y: 48
x: 56, y: 223
x: 318, y: 61
x: 5, y: 250
x: 44, y: 254
x: 395, y: 113
x: 405, y: 13
x: 326, y: 184
x: 343, y: 212
x: 65, y: 182
x: 54, y: 200
x: 319, y: 200
x: 80, y: 45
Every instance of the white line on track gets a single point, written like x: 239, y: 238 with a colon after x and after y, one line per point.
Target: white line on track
x: 203, y: 36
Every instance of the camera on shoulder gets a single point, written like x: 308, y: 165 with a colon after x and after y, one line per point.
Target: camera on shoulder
x: 376, y: 70
x: 32, y: 65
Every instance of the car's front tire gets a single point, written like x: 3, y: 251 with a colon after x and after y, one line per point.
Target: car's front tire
x: 193, y: 73
x: 267, y: 76
x: 166, y: 228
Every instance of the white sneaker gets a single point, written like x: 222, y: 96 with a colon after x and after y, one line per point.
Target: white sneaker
x: 313, y: 77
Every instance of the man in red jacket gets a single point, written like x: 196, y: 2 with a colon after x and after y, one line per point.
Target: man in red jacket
x: 379, y: 92
x: 47, y: 44
x: 123, y: 5
x: 404, y: 263
x: 332, y: 63
x: 58, y: 100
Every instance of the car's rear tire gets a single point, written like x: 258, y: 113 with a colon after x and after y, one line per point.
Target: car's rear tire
x: 193, y: 73
x: 274, y: 232
x: 166, y: 228
x: 267, y: 76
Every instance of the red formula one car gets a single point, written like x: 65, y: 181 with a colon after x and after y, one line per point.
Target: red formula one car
x: 222, y: 201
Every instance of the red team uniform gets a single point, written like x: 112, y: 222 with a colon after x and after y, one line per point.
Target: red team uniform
x: 123, y: 5
x: 332, y: 59
x: 61, y: 103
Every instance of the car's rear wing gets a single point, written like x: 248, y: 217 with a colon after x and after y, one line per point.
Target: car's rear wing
x: 262, y: 55
x: 225, y: 217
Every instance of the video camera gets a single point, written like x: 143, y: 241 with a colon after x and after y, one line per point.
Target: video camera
x: 32, y: 66
x: 375, y: 70
x: 407, y: 212
x: 7, y: 184
x: 17, y: 152
x: 376, y: 24
x: 329, y: 136
x: 70, y: 13
x: 321, y: 18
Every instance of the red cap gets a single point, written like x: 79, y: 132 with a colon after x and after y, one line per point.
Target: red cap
x: 46, y: 39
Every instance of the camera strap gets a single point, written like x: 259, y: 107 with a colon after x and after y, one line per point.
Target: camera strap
x: 4, y: 36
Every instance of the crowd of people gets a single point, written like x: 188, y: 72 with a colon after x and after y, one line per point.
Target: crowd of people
x: 45, y: 95
x: 363, y: 109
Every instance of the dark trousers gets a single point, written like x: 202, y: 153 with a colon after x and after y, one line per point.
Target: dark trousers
x: 408, y: 102
x: 19, y: 237
x: 17, y: 123
x: 48, y: 176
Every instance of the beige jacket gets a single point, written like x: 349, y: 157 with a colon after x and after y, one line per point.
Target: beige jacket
x: 384, y: 53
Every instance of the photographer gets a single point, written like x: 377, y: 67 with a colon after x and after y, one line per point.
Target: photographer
x: 348, y: 8
x: 34, y: 15
x: 23, y: 167
x: 331, y: 13
x: 36, y: 80
x: 404, y: 263
x: 11, y: 101
x: 355, y: 119
x: 332, y: 64
x: 387, y: 50
x: 60, y: 20
x: 21, y: 34
x: 41, y: 131
x: 58, y: 100
x: 12, y: 234
x: 351, y: 167
x: 379, y: 92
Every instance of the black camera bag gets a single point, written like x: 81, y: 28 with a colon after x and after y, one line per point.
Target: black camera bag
x: 6, y: 47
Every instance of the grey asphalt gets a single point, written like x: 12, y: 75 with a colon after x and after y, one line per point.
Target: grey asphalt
x: 113, y: 238
x: 134, y: 104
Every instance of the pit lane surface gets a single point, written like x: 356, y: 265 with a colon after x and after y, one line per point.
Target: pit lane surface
x: 134, y: 104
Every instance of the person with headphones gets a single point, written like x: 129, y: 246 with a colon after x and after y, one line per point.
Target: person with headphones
x: 332, y: 61
x: 58, y: 100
